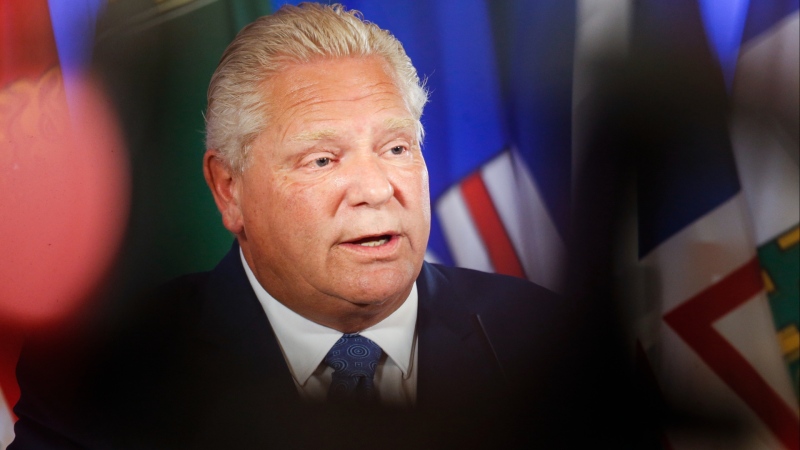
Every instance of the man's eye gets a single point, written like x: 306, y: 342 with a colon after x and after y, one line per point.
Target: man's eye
x: 397, y: 150
x: 322, y: 162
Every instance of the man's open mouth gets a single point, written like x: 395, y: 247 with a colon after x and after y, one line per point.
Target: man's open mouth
x: 373, y: 241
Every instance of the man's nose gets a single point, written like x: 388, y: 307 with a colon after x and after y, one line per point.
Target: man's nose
x: 369, y: 182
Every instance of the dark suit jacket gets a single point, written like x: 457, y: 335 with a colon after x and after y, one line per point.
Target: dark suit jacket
x: 201, y: 368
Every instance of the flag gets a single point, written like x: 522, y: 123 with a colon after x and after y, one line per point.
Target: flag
x: 157, y: 59
x: 63, y: 176
x: 27, y: 53
x: 765, y: 142
x: 696, y: 295
x: 15, y: 66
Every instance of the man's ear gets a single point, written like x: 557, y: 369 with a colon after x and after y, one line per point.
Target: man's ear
x: 224, y: 187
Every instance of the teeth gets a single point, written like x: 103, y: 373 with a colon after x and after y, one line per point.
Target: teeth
x: 380, y: 241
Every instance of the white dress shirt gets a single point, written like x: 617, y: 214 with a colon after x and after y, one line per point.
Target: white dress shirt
x: 305, y: 343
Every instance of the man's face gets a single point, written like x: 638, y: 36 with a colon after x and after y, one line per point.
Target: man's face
x: 334, y: 200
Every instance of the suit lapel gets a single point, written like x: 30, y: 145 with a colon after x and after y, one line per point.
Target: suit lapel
x: 237, y: 345
x: 453, y: 352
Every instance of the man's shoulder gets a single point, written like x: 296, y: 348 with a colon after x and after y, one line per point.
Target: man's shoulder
x: 180, y: 292
x: 483, y: 291
x: 477, y: 277
x: 191, y: 291
x: 522, y: 319
x: 191, y: 284
x: 185, y: 285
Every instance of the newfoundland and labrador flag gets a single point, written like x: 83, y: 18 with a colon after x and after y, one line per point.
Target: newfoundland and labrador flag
x: 717, y: 228
x: 765, y: 139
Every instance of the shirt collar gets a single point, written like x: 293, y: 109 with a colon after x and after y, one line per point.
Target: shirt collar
x: 305, y: 343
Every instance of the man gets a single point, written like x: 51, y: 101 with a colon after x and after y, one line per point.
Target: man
x: 314, y: 160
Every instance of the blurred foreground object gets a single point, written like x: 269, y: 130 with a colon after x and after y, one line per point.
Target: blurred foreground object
x: 65, y: 189
x: 64, y: 186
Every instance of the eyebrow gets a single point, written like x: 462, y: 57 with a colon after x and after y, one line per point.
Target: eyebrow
x: 391, y: 124
x: 316, y: 135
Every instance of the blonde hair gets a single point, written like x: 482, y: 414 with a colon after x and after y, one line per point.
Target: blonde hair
x: 237, y: 108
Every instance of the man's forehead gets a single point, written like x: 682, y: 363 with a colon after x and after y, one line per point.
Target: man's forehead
x: 388, y: 124
x: 296, y: 77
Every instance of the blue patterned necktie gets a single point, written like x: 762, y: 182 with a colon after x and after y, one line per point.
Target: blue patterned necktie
x: 354, y: 359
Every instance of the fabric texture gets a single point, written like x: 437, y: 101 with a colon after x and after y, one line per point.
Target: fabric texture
x: 354, y: 359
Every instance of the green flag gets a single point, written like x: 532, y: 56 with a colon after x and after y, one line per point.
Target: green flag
x: 156, y: 57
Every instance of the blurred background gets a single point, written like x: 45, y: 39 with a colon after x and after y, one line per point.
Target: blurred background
x: 638, y: 156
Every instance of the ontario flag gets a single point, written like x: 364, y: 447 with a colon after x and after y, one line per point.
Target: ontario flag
x: 63, y: 176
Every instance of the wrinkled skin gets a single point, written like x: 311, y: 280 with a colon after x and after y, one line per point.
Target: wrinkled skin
x: 332, y: 211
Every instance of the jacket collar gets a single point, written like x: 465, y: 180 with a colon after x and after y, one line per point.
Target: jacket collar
x: 234, y: 329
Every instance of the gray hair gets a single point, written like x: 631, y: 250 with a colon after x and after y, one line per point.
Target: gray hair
x: 237, y: 108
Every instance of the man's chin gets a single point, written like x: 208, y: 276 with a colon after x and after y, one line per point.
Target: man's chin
x: 377, y: 298
x: 380, y: 288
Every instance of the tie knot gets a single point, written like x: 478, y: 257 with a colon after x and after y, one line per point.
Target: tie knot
x: 354, y: 359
